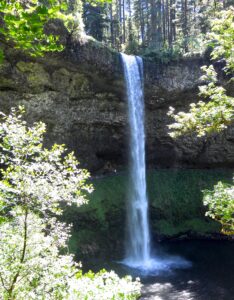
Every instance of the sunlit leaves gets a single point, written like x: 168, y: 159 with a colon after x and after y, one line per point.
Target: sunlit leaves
x: 24, y: 22
x: 214, y: 115
x: 34, y: 182
x: 217, y: 112
x: 205, y: 117
x: 43, y: 177
x: 222, y: 38
x: 105, y: 285
x: 220, y: 204
x: 41, y: 260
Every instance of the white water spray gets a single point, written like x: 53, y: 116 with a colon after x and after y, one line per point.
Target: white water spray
x: 138, y: 238
x: 138, y: 252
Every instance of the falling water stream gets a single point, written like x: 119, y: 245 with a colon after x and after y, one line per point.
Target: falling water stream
x: 206, y: 271
x: 138, y: 246
x: 138, y: 238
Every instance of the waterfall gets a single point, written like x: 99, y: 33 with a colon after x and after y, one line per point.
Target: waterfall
x: 138, y: 252
x: 138, y: 238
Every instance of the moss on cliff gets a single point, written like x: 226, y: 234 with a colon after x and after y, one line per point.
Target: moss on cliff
x: 176, y: 209
x: 176, y: 206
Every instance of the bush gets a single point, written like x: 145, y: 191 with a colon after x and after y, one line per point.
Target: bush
x: 35, y: 181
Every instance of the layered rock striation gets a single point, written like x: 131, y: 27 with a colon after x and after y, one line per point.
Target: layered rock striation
x: 80, y: 95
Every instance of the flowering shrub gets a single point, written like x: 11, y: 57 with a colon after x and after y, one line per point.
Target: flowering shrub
x: 103, y: 285
x: 31, y: 267
x: 34, y: 182
x: 220, y: 203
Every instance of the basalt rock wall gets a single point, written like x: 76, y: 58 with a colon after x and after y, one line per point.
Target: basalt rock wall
x: 80, y: 95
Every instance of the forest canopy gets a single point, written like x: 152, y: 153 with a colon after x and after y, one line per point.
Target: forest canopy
x: 155, y: 28
x: 146, y: 26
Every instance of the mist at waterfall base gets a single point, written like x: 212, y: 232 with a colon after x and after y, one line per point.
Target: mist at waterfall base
x: 210, y: 276
x: 138, y: 245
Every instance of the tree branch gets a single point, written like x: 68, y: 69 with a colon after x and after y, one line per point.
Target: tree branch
x: 10, y: 290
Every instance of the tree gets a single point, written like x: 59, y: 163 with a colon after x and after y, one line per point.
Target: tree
x: 214, y: 115
x: 34, y: 183
x: 218, y: 112
x: 220, y: 202
x: 23, y: 24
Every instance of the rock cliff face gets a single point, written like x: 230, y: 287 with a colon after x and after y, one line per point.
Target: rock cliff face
x: 80, y: 95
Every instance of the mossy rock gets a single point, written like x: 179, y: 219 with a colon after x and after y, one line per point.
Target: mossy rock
x: 37, y: 77
x: 196, y: 227
x: 175, y: 209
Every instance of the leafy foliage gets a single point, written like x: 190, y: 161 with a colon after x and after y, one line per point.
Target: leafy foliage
x: 105, y: 285
x: 218, y: 112
x: 205, y: 117
x: 214, y: 115
x: 35, y: 177
x: 23, y: 24
x: 29, y: 257
x: 222, y: 38
x: 220, y: 203
x: 34, y: 184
